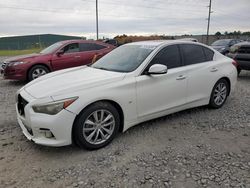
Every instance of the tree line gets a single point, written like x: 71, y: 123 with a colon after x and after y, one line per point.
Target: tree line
x: 235, y: 33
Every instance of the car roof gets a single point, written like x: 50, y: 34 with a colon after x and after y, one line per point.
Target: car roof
x: 85, y: 41
x: 80, y: 40
x: 228, y: 40
x: 157, y: 43
x: 245, y: 43
x: 148, y: 42
x: 188, y: 39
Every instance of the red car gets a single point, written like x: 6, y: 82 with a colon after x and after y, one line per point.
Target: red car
x: 60, y: 55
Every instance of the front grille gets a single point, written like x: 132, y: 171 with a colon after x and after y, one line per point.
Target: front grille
x: 21, y: 103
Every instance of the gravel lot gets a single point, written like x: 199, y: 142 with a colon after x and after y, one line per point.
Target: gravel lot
x: 200, y: 147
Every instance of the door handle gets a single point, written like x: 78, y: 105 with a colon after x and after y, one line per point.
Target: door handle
x: 77, y: 56
x: 181, y: 77
x: 214, y: 69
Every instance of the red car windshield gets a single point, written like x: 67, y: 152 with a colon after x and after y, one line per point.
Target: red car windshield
x: 51, y: 48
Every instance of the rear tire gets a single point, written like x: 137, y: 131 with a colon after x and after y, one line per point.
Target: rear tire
x: 219, y: 94
x: 37, y: 71
x: 96, y: 126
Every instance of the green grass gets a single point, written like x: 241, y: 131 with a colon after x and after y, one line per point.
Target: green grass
x: 18, y: 52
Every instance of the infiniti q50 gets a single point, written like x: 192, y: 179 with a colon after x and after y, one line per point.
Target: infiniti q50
x: 136, y: 82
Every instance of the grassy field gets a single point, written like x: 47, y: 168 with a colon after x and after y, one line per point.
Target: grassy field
x: 18, y: 52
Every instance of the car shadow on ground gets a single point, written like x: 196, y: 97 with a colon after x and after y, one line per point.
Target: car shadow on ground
x: 151, y: 124
x: 15, y: 83
x: 244, y: 77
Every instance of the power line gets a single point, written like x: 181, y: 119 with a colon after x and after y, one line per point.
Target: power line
x: 60, y: 11
x: 89, y: 13
x: 166, y: 2
x: 144, y: 6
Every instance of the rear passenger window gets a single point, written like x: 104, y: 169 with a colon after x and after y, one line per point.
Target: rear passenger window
x: 193, y: 54
x: 169, y: 56
x: 86, y: 47
x: 209, y: 54
x: 99, y: 47
x: 90, y: 47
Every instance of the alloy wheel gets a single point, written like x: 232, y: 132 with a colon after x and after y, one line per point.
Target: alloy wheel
x: 220, y: 93
x: 38, y: 72
x: 99, y: 126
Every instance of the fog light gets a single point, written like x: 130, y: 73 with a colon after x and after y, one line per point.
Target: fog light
x: 47, y: 133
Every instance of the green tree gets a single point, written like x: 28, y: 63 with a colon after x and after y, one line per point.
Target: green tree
x: 218, y: 33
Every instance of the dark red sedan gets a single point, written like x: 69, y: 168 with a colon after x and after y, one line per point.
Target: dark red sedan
x: 60, y: 55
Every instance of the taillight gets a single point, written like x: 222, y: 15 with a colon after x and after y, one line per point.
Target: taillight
x: 235, y: 64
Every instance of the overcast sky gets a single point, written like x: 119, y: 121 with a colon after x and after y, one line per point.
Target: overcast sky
x: 132, y: 17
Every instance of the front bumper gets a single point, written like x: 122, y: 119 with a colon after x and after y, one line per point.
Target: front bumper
x: 14, y: 73
x: 33, y: 124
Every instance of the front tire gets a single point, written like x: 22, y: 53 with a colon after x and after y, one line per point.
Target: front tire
x: 219, y: 94
x: 96, y: 126
x: 37, y: 71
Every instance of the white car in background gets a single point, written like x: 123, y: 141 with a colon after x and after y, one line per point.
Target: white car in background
x: 134, y: 83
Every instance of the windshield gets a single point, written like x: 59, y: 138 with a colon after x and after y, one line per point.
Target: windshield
x: 221, y: 43
x: 125, y: 58
x: 51, y: 48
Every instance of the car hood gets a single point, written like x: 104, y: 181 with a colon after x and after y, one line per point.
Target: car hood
x: 21, y: 57
x: 70, y: 80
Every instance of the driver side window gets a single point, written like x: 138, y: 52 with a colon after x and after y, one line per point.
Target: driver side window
x: 169, y: 56
x: 71, y: 48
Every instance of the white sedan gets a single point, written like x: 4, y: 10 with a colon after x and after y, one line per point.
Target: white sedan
x: 136, y: 82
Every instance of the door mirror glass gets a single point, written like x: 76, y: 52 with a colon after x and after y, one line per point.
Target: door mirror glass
x: 158, y: 69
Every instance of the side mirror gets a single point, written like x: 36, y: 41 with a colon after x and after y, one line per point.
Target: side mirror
x: 60, y: 52
x: 158, y: 69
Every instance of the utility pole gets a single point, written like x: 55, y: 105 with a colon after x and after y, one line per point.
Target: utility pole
x: 208, y: 20
x: 97, y: 27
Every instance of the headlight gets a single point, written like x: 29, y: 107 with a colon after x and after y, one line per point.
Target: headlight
x: 15, y: 63
x: 54, y: 107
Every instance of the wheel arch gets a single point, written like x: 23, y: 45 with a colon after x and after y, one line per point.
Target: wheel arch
x: 112, y: 102
x: 42, y: 64
x: 229, y: 83
x: 227, y: 80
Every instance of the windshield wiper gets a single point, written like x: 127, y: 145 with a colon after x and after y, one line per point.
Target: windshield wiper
x: 102, y: 68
